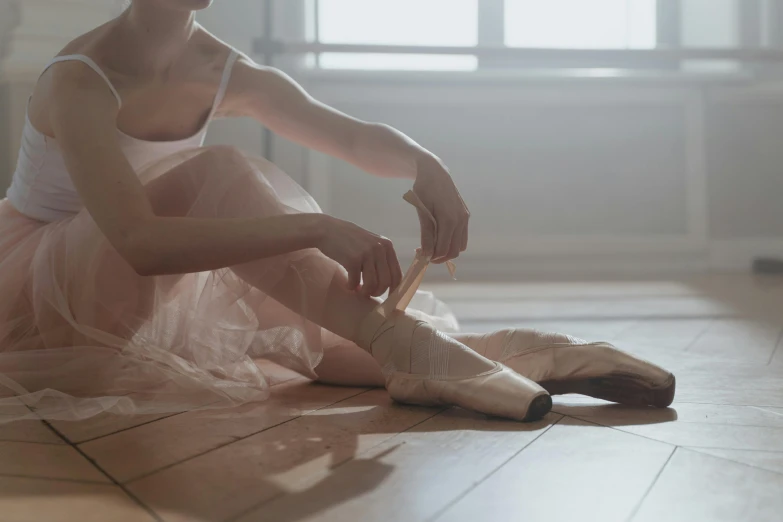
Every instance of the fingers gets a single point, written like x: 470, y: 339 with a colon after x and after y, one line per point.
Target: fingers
x: 354, y: 276
x: 428, y: 238
x: 446, y: 227
x: 466, y: 220
x: 464, y: 245
x: 369, y: 276
x: 456, y: 244
x: 382, y: 269
x: 452, y: 237
x: 394, y: 266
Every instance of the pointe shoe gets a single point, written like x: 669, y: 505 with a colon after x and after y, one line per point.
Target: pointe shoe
x: 494, y: 390
x: 425, y: 367
x: 562, y: 364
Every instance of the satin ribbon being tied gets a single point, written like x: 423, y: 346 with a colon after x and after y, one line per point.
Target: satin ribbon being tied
x: 400, y: 298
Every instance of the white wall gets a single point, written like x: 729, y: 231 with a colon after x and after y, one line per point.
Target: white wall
x: 239, y: 23
x: 574, y: 175
x: 600, y: 175
x: 594, y: 175
x: 31, y: 33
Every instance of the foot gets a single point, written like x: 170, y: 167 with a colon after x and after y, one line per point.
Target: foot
x: 563, y: 364
x: 425, y: 367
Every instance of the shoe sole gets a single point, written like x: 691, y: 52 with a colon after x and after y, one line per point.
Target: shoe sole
x: 621, y: 389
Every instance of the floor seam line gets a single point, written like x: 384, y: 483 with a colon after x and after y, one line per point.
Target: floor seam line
x: 99, y: 437
x: 621, y: 431
x: 651, y: 486
x: 703, y: 451
x: 238, y: 439
x: 338, y: 466
x: 56, y: 479
x: 701, y: 334
x: 777, y: 347
x: 465, y: 493
x: 115, y: 482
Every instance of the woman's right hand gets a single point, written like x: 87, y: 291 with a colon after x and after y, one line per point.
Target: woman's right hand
x: 370, y: 259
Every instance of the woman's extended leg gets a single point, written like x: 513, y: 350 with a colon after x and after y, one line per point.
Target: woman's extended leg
x: 348, y: 365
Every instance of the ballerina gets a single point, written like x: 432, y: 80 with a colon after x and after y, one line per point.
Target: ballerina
x: 141, y: 272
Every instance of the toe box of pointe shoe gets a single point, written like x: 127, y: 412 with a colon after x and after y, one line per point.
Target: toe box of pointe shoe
x: 500, y: 392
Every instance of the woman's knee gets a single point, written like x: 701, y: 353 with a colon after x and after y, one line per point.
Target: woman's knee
x: 222, y: 157
x: 208, y: 173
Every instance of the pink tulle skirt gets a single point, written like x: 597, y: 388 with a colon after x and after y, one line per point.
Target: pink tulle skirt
x: 81, y: 333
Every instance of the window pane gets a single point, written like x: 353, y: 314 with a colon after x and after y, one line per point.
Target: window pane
x: 711, y: 23
x: 581, y: 24
x: 399, y: 22
x: 399, y: 62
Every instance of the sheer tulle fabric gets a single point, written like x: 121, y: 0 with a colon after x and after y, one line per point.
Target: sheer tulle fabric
x: 81, y: 333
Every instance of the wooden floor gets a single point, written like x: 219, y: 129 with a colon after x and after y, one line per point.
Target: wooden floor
x: 335, y: 454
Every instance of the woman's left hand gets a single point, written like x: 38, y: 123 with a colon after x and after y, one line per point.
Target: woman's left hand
x: 435, y: 188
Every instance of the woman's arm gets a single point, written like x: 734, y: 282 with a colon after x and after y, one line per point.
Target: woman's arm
x: 279, y: 103
x: 83, y: 116
x: 271, y: 97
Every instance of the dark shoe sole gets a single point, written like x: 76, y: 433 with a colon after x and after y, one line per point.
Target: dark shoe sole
x: 622, y: 389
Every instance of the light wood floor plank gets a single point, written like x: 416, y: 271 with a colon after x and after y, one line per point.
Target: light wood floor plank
x: 748, y: 341
x: 28, y: 430
x: 291, y: 457
x: 145, y: 449
x: 54, y: 461
x: 408, y: 484
x: 575, y: 471
x: 35, y: 500
x: 318, y: 453
x: 695, y: 486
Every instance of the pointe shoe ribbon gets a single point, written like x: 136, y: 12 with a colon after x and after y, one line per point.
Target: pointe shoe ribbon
x: 401, y: 297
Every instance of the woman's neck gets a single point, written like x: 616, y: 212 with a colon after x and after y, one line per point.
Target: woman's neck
x: 157, y: 35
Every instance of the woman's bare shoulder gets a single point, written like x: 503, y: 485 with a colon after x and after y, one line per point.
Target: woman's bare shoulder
x: 210, y: 48
x: 86, y: 43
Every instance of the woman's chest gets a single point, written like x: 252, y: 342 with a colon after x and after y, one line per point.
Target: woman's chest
x: 169, y: 112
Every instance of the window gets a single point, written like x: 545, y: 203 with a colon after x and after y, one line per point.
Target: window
x: 398, y: 22
x: 581, y: 24
x: 552, y: 24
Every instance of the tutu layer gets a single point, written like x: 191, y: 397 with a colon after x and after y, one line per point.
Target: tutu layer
x: 81, y: 333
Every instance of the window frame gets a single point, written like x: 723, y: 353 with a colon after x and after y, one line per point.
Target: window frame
x: 759, y: 28
x: 492, y: 29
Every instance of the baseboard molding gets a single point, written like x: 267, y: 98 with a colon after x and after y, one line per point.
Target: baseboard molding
x: 734, y: 255
x: 738, y: 254
x: 475, y: 268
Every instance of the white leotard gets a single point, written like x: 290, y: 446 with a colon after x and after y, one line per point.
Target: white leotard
x: 42, y: 188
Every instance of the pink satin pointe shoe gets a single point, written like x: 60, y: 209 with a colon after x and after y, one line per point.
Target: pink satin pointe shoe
x: 425, y: 367
x: 562, y: 364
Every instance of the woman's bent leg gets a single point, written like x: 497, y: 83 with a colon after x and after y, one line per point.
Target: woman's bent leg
x: 221, y: 183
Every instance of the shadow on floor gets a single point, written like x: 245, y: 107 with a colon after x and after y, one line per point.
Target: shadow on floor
x: 617, y: 415
x: 305, y: 466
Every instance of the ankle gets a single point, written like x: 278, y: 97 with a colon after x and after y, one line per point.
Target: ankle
x: 372, y: 326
